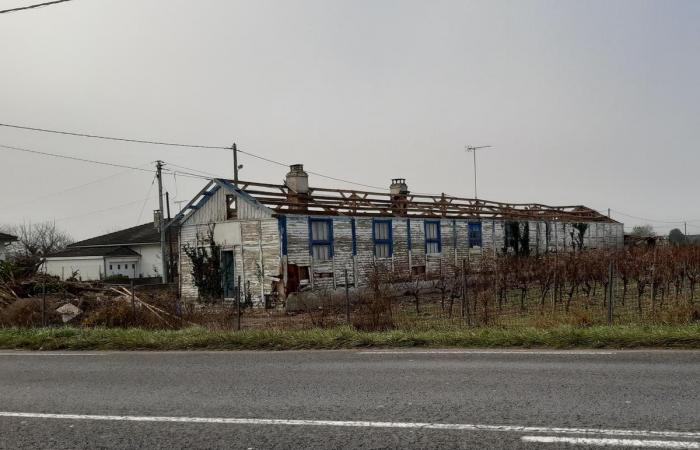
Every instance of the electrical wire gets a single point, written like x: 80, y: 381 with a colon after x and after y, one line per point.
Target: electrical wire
x: 102, y: 210
x: 73, y: 188
x: 177, y: 144
x: 669, y: 222
x: 148, y: 195
x: 38, y: 5
x: 73, y: 158
x: 111, y: 138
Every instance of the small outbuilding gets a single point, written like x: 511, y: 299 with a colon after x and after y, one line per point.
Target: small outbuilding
x: 283, y: 238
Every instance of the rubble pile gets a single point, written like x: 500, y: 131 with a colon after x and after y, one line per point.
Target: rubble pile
x: 47, y: 300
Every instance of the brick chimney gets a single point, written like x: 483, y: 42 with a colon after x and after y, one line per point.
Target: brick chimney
x: 399, y: 196
x: 297, y: 182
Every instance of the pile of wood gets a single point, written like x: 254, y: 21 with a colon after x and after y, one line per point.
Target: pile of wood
x: 126, y: 295
x: 7, y: 295
x: 97, y: 302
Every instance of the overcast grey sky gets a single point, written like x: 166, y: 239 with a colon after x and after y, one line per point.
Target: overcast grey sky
x: 590, y: 102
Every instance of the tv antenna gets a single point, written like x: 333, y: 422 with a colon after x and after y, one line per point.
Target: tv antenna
x: 473, y: 149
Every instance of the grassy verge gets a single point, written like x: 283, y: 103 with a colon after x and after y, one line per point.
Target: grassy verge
x: 657, y: 336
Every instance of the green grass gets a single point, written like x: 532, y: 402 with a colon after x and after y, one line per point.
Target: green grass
x: 195, y: 338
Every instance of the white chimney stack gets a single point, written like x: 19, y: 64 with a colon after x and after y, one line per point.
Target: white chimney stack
x: 297, y: 179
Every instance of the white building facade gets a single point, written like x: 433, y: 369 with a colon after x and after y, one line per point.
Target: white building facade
x: 133, y: 253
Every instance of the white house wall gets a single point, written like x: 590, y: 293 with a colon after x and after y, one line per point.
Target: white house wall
x: 88, y: 268
x: 149, y: 264
x: 253, y: 238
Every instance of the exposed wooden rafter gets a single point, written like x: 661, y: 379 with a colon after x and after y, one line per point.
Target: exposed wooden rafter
x: 324, y: 201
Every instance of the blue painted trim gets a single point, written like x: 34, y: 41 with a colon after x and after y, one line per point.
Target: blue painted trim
x: 329, y: 242
x: 408, y: 233
x: 475, y: 234
x: 354, y: 236
x: 454, y: 234
x: 282, y: 223
x: 389, y: 240
x: 430, y: 241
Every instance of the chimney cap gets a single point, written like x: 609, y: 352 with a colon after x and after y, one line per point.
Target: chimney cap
x: 398, y: 181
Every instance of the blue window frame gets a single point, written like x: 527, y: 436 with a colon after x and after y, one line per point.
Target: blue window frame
x: 408, y: 234
x: 282, y: 223
x: 433, y: 243
x: 354, y: 236
x: 383, y: 242
x: 474, y: 234
x: 321, y: 239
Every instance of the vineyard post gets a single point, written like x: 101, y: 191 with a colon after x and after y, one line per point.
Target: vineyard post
x: 238, y: 304
x: 465, y: 299
x: 556, y: 272
x: 133, y: 303
x: 347, y: 297
x: 611, y: 275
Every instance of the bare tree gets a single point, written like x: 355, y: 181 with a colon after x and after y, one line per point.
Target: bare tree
x: 36, y: 241
x: 643, y: 231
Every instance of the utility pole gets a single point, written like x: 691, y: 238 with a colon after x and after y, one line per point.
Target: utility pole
x: 235, y: 163
x: 161, y: 225
x: 685, y: 228
x: 473, y: 150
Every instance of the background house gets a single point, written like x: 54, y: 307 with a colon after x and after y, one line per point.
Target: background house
x: 5, y: 241
x: 283, y: 238
x: 133, y: 252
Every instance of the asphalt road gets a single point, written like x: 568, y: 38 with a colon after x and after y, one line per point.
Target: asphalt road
x: 350, y: 399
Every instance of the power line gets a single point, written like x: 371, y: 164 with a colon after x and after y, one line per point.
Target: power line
x: 73, y: 188
x: 111, y: 138
x: 148, y: 195
x: 102, y: 210
x: 38, y: 5
x: 73, y: 158
x: 669, y: 222
x: 177, y: 144
x: 208, y: 174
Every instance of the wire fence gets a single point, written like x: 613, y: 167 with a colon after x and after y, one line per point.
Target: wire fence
x: 431, y: 305
x: 649, y: 286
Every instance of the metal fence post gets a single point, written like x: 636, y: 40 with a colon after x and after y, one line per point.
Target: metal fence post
x: 43, y: 299
x: 610, y: 293
x: 465, y: 297
x: 347, y: 297
x: 238, y: 304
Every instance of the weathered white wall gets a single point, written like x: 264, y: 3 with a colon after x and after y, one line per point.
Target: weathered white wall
x: 253, y: 238
x: 89, y: 267
x: 149, y: 264
x: 454, y: 235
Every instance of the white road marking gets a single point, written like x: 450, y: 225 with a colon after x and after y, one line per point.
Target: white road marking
x: 484, y: 352
x: 360, y: 424
x: 51, y: 354
x: 637, y: 443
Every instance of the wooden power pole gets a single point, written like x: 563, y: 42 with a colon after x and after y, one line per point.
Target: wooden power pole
x: 161, y: 225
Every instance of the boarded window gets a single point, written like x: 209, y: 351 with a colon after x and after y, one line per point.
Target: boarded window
x: 474, y: 234
x: 383, y: 243
x: 432, y: 237
x: 321, y: 238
